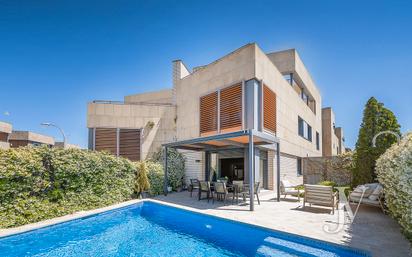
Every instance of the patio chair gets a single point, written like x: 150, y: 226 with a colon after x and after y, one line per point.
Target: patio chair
x: 194, y: 184
x: 320, y: 195
x: 220, y: 191
x: 204, y: 187
x: 372, y: 195
x: 256, y: 192
x: 286, y: 188
x: 238, y: 188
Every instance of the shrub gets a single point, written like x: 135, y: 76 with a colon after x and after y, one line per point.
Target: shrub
x: 394, y: 171
x: 142, y: 181
x: 156, y: 177
x: 327, y: 183
x: 175, y: 166
x: 42, y: 183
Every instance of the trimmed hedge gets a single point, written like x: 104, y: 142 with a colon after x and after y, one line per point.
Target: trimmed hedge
x: 394, y: 171
x: 41, y: 183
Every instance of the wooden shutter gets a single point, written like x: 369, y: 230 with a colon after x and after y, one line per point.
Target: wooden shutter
x: 231, y: 108
x: 129, y: 144
x: 106, y: 140
x: 269, y: 109
x: 208, y: 114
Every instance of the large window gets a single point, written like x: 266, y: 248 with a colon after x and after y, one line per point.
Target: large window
x: 304, y: 129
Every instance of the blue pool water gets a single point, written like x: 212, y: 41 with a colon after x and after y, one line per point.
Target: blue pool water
x: 150, y: 229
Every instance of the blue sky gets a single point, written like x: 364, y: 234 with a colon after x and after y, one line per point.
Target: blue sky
x: 55, y: 56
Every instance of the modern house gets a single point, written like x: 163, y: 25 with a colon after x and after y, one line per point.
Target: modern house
x: 5, y: 131
x: 28, y: 138
x: 333, y: 141
x: 272, y: 94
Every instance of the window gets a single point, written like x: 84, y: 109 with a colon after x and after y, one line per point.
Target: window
x: 300, y: 126
x: 231, y: 108
x: 269, y: 109
x: 317, y: 141
x: 304, y: 129
x: 208, y: 114
x: 304, y: 97
x: 299, y: 166
x: 289, y: 78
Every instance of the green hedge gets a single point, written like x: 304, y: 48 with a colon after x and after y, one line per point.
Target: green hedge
x: 156, y: 177
x: 42, y: 183
x: 394, y: 171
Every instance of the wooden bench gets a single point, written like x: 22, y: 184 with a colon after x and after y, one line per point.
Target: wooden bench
x: 320, y: 195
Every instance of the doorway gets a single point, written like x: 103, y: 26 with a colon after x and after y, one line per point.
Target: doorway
x: 232, y: 168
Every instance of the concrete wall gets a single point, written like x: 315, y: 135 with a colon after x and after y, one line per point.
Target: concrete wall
x: 31, y: 137
x: 162, y: 97
x: 233, y: 68
x: 5, y: 127
x: 5, y: 130
x: 139, y: 116
x: 289, y: 107
x: 330, y: 142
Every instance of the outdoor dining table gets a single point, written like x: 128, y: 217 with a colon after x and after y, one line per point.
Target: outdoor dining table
x: 236, y: 190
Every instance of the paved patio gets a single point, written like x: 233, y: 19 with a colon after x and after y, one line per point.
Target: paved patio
x: 372, y: 230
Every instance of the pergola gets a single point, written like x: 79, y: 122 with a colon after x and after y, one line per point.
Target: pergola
x: 246, y: 139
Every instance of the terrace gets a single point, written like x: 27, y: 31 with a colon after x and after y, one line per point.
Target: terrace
x: 371, y: 230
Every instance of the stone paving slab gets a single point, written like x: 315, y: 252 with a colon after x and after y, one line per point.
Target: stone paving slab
x: 371, y: 230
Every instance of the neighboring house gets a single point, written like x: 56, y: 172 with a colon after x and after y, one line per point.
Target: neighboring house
x: 5, y: 130
x: 65, y: 145
x: 28, y: 138
x: 333, y: 141
x: 270, y: 92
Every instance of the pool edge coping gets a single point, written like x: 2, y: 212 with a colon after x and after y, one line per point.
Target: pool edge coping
x: 84, y: 214
x: 5, y: 232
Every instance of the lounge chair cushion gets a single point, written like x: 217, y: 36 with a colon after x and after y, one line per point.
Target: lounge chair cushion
x: 292, y: 191
x: 375, y: 194
x: 356, y: 199
x: 286, y: 183
x: 359, y: 189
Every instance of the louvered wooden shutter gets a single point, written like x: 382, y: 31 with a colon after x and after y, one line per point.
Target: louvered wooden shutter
x: 231, y: 108
x: 106, y: 140
x: 269, y: 109
x: 129, y: 144
x: 208, y: 114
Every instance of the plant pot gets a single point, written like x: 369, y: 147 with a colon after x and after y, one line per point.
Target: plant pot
x: 169, y: 189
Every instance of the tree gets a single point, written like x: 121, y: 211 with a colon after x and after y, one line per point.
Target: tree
x: 376, y: 118
x: 142, y: 181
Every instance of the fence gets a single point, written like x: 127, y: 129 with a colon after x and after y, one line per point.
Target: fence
x: 334, y: 168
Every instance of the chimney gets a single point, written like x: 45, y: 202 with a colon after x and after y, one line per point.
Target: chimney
x: 179, y: 71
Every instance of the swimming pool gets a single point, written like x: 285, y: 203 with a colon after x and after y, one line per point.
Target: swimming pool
x: 151, y: 229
